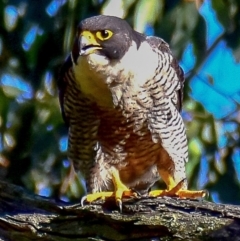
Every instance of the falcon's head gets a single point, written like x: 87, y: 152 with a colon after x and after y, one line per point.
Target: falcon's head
x: 105, y: 35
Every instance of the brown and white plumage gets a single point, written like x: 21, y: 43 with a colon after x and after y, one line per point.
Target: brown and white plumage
x: 121, y: 94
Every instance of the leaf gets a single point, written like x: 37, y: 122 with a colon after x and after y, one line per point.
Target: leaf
x: 222, y: 9
x: 146, y: 13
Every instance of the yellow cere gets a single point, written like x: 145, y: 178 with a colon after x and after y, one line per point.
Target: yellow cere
x: 89, y: 37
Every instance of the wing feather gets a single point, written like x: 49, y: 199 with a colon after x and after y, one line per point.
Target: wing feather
x: 78, y: 113
x: 165, y: 121
x: 160, y: 46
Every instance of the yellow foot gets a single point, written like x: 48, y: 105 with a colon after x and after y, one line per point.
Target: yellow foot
x: 119, y: 194
x: 98, y: 195
x: 121, y: 191
x: 177, y: 191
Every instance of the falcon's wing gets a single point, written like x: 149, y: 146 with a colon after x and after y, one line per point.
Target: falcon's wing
x: 166, y: 91
x: 62, y: 85
x: 78, y: 114
x: 162, y: 48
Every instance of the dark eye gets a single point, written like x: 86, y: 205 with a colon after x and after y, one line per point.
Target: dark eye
x: 104, y: 34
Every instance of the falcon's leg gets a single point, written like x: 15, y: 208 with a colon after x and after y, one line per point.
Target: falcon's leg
x: 175, y: 189
x: 120, y: 191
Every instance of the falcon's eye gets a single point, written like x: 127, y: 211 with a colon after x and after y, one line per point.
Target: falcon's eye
x: 104, y: 34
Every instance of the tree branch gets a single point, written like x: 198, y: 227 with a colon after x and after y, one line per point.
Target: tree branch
x: 30, y: 217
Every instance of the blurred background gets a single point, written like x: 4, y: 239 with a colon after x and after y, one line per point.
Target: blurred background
x: 36, y: 37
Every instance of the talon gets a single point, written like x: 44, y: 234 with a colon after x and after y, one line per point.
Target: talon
x: 83, y: 199
x: 206, y: 192
x: 119, y: 204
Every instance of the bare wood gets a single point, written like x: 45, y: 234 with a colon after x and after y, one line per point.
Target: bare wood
x: 30, y: 217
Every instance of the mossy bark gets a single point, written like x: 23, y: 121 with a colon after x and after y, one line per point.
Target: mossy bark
x: 30, y: 217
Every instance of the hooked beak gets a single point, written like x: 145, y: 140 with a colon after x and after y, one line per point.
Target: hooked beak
x: 88, y: 43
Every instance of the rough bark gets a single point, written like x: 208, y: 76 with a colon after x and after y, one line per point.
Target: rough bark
x: 26, y: 216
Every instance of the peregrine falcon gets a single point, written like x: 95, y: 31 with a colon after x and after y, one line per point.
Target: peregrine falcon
x: 121, y: 96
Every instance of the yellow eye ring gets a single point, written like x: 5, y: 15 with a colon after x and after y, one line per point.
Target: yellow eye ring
x: 104, y: 34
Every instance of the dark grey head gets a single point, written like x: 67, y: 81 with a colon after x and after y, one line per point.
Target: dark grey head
x: 105, y: 35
